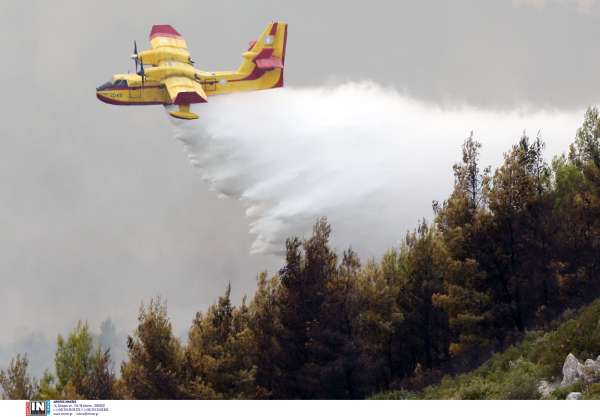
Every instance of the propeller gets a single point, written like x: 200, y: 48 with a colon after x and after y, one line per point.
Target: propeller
x: 142, y: 71
x: 135, y: 56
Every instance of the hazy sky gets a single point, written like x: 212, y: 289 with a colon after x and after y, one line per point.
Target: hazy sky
x: 99, y: 205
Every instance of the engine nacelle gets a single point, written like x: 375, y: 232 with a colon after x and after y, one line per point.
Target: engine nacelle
x: 160, y: 73
x: 165, y: 53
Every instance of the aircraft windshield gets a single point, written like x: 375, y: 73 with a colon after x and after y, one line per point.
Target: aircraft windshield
x: 112, y: 83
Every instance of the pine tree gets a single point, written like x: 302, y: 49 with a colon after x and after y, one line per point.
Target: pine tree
x: 75, y: 358
x: 220, y: 351
x: 343, y: 366
x: 465, y: 298
x: 587, y: 137
x: 381, y: 317
x: 100, y: 383
x: 303, y: 281
x: 426, y: 330
x: 16, y: 383
x: 266, y: 327
x: 155, y: 367
x: 516, y: 238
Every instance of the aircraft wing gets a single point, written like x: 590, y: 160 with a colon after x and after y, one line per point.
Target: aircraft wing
x: 168, y: 43
x: 165, y: 35
x: 184, y: 91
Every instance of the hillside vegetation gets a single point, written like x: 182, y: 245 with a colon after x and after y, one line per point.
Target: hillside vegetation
x: 511, y: 254
x: 516, y: 374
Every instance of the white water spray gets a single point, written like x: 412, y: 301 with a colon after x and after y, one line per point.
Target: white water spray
x: 367, y: 158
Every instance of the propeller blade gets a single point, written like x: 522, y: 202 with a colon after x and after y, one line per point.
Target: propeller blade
x: 135, y: 53
x: 142, y: 71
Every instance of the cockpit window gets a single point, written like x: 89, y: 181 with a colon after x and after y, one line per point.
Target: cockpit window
x: 106, y: 85
x: 112, y: 84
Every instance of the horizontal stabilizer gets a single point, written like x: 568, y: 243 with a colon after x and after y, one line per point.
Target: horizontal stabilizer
x: 265, y: 60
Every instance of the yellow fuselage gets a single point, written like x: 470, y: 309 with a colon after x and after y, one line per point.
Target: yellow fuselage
x: 132, y: 92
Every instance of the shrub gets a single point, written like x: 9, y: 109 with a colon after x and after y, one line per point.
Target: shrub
x: 522, y: 381
x: 561, y: 393
x: 478, y: 389
x: 578, y: 336
x: 395, y: 395
x: 592, y: 393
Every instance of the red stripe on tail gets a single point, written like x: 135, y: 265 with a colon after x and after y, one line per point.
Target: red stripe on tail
x: 280, y: 82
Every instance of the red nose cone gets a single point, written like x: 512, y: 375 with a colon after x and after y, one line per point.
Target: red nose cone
x: 102, y: 98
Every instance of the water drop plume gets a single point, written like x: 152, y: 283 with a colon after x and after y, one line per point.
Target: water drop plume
x: 368, y: 158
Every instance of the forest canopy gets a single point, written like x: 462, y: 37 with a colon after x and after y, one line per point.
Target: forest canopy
x: 510, y: 251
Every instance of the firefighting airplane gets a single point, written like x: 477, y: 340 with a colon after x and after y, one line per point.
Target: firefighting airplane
x: 174, y: 80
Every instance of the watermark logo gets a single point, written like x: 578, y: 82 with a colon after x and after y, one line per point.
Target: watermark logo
x: 37, y: 408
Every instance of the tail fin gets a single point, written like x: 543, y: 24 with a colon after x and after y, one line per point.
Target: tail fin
x: 268, y: 52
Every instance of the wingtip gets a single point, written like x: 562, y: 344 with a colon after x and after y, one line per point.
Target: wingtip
x: 183, y: 115
x: 164, y: 31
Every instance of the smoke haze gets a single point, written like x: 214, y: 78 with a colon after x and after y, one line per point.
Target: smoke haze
x: 100, y: 210
x: 368, y: 158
